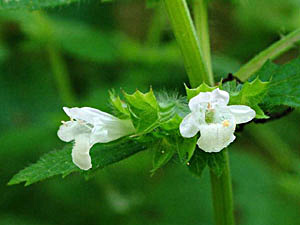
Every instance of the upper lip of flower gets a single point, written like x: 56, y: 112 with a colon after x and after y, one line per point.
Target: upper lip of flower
x: 214, y: 119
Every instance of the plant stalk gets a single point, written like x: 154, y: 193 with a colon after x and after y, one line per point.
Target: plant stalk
x: 188, y: 42
x: 222, y: 194
x: 202, y: 29
x: 270, y: 53
x: 196, y: 54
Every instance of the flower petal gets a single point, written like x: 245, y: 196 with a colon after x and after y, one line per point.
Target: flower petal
x: 81, y: 152
x: 87, y: 114
x: 201, y: 100
x: 103, y: 133
x: 69, y: 130
x: 242, y: 113
x: 188, y: 127
x: 219, y: 97
x: 215, y: 137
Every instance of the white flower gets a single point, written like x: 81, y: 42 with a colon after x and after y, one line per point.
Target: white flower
x: 214, y: 119
x: 89, y: 126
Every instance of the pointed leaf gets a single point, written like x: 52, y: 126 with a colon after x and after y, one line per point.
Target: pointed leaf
x: 195, y: 91
x: 198, y: 162
x: 60, y: 162
x: 250, y: 94
x: 163, y: 153
x: 284, y: 88
x: 144, y: 110
x: 216, y: 162
x: 186, y: 148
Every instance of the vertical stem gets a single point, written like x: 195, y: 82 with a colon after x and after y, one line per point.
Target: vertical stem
x: 202, y: 29
x: 189, y: 44
x: 222, y: 194
x: 196, y: 55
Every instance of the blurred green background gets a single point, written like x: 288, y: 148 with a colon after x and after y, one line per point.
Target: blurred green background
x: 72, y: 56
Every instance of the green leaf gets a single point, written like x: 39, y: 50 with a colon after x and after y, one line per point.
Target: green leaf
x: 198, y: 162
x: 119, y: 107
x: 195, y: 91
x: 250, y: 94
x: 164, y: 150
x: 60, y: 162
x: 144, y: 110
x: 216, y: 162
x: 33, y: 4
x: 284, y: 88
x: 185, y: 148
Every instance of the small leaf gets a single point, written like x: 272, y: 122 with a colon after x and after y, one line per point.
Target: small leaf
x: 120, y: 108
x: 163, y: 153
x: 60, y: 162
x: 198, y: 162
x: 186, y: 148
x: 144, y: 110
x: 216, y: 162
x: 195, y: 91
x: 250, y: 94
x: 172, y: 124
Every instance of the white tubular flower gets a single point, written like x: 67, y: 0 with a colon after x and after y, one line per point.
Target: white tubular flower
x: 214, y: 119
x: 89, y: 126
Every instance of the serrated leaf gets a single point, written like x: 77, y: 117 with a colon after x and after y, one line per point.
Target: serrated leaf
x: 185, y: 148
x: 33, y: 4
x: 144, y: 110
x: 60, y: 162
x: 250, y: 94
x: 216, y: 162
x: 284, y: 88
x: 198, y: 162
x: 164, y: 150
x: 195, y: 91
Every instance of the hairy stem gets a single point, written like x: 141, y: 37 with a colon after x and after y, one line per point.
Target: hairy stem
x: 222, y: 194
x: 202, y: 29
x: 188, y: 41
x: 271, y: 52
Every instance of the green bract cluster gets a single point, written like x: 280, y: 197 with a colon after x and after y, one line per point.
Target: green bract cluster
x: 156, y: 119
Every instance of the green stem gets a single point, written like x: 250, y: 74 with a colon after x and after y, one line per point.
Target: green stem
x: 202, y: 29
x: 189, y: 44
x: 271, y: 52
x: 222, y: 194
x: 196, y: 54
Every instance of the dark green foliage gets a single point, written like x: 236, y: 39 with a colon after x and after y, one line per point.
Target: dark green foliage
x: 284, y: 88
x: 250, y: 94
x: 201, y: 159
x: 163, y: 150
x: 60, y: 162
x: 33, y: 4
